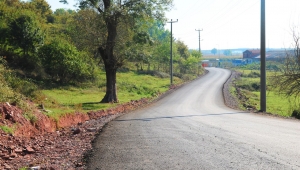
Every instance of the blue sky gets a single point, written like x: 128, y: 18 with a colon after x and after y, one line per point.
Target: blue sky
x: 229, y: 23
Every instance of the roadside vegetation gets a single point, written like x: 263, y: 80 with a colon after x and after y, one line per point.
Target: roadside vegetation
x: 283, y: 87
x: 57, y: 60
x: 247, y: 90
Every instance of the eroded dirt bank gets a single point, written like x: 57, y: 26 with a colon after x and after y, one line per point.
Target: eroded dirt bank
x: 47, y: 144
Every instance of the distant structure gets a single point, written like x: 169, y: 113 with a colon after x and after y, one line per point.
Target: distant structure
x: 254, y: 55
x: 251, y: 54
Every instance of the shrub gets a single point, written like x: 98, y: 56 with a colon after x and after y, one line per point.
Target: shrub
x: 253, y: 75
x: 31, y: 117
x: 25, y: 32
x: 22, y: 86
x: 179, y: 75
x: 154, y: 73
x: 123, y: 70
x: 187, y: 77
x: 255, y: 86
x: 296, y: 114
x: 7, y: 94
x: 141, y: 90
x: 65, y: 64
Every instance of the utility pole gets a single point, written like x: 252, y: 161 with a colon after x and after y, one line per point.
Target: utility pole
x: 171, y: 53
x: 199, y: 39
x: 263, y: 98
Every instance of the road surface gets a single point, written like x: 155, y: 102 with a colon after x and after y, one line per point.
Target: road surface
x: 193, y: 129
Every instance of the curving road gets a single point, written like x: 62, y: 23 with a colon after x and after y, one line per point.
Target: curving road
x: 193, y: 129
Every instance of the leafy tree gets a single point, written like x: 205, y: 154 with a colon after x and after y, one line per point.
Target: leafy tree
x: 196, y: 53
x: 14, y: 3
x: 25, y: 33
x: 214, y: 51
x: 64, y: 63
x: 182, y: 49
x: 189, y: 64
x: 158, y: 32
x: 227, y: 52
x: 114, y: 13
x: 160, y: 50
x: 161, y: 54
x: 86, y: 29
x: 7, y: 14
x: 62, y: 16
x: 41, y: 8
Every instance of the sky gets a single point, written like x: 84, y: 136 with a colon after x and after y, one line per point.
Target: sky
x: 228, y: 24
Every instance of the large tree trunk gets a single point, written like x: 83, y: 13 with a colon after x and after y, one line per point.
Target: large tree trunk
x: 110, y: 61
x: 111, y: 87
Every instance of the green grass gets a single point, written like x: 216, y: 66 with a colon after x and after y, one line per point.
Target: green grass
x: 130, y: 86
x: 24, y: 168
x: 7, y: 129
x: 276, y: 104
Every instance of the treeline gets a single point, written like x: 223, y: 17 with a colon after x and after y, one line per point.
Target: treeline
x: 62, y: 46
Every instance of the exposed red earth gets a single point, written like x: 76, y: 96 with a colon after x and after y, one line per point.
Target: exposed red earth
x: 46, y: 144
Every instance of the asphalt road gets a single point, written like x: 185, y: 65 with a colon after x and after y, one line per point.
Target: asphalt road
x: 193, y: 129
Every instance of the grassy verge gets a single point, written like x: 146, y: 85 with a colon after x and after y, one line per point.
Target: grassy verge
x: 131, y: 86
x: 249, y: 84
x: 59, y: 100
x: 278, y: 105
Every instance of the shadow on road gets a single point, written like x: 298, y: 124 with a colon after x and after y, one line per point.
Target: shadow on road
x: 172, y: 117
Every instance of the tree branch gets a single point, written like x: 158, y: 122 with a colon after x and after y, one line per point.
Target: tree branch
x: 64, y: 1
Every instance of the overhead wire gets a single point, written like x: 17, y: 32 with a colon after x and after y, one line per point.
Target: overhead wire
x: 192, y: 8
x: 223, y: 14
x: 231, y: 6
x: 234, y: 17
x: 219, y: 14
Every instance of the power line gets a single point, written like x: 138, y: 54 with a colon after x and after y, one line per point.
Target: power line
x: 225, y: 22
x: 192, y: 10
x: 221, y: 13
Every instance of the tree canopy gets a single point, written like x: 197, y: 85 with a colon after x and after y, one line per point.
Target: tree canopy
x: 214, y: 51
x: 70, y: 47
x: 119, y: 19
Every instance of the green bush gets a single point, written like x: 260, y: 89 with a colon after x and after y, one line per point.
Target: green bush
x: 296, y: 114
x: 154, y: 73
x: 188, y: 77
x: 31, y: 117
x: 22, y: 86
x: 255, y: 86
x: 141, y: 90
x: 65, y: 64
x: 179, y: 75
x: 123, y: 70
x: 7, y: 94
x: 25, y: 32
x: 252, y: 75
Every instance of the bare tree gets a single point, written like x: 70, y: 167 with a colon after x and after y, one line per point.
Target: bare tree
x: 288, y: 80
